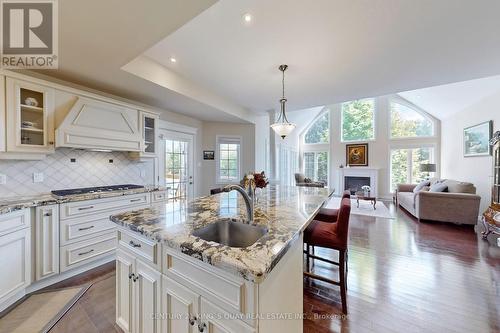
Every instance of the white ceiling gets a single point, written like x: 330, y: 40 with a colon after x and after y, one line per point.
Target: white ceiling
x: 336, y: 50
x: 97, y: 38
x: 446, y: 100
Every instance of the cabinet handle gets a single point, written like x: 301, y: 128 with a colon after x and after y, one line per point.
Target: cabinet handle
x: 192, y: 320
x: 201, y: 327
x: 83, y: 253
x: 85, y: 208
x: 134, y: 244
x: 135, y: 200
x: 47, y: 214
x: 86, y: 228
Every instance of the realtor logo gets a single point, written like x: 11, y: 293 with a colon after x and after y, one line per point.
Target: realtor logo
x: 29, y: 34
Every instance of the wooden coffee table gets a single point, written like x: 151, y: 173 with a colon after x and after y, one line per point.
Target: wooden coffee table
x: 369, y: 197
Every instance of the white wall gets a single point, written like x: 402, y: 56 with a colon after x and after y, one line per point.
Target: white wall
x: 209, y: 133
x: 477, y: 170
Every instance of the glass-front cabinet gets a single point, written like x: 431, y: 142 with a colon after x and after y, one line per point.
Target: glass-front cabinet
x: 150, y: 132
x: 30, y: 117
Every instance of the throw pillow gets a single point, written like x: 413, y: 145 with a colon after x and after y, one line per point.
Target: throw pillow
x: 421, y: 185
x: 438, y: 187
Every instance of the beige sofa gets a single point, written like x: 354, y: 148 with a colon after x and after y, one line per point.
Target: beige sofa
x: 458, y: 204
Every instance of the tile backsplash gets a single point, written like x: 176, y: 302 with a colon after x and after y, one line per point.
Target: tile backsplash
x: 71, y: 168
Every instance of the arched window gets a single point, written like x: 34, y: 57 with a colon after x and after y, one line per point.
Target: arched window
x: 358, y: 119
x: 319, y: 132
x: 407, y: 122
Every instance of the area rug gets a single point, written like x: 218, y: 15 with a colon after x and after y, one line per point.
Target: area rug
x: 40, y: 311
x: 365, y: 208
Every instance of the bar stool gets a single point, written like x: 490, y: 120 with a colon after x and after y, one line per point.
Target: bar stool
x: 332, y: 236
x: 330, y: 214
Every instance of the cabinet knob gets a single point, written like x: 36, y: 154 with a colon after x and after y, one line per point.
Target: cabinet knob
x: 135, y: 278
x: 192, y: 320
x: 51, y: 143
x: 130, y: 276
x: 47, y: 214
x: 201, y: 327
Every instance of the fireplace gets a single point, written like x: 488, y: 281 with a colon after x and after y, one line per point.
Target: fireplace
x: 354, y: 183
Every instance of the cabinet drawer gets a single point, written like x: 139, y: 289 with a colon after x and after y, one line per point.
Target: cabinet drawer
x: 13, y: 221
x: 234, y: 294
x: 83, y: 208
x: 74, y: 230
x: 84, y: 252
x: 145, y: 248
x: 158, y: 196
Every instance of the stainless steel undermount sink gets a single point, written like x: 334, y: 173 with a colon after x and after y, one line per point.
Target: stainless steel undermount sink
x: 233, y: 234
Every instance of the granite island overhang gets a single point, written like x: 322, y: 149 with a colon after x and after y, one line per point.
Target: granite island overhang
x: 285, y: 210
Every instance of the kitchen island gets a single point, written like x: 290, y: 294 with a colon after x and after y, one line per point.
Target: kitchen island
x: 171, y: 281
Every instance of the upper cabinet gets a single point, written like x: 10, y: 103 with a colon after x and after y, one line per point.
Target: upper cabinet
x: 29, y: 117
x: 94, y: 124
x: 149, y: 132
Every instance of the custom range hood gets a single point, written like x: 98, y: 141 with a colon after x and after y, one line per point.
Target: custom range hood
x: 101, y: 126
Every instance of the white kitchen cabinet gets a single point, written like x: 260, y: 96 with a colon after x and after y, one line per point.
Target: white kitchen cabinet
x: 47, y: 241
x: 29, y: 117
x: 146, y: 301
x: 15, y: 255
x: 138, y: 295
x: 180, y: 307
x: 3, y: 118
x: 124, y: 290
x: 216, y: 320
x: 149, y: 131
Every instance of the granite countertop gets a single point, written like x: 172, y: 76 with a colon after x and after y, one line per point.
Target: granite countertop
x: 284, y: 210
x: 16, y: 203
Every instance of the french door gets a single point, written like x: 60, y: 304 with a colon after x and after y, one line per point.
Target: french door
x: 176, y: 165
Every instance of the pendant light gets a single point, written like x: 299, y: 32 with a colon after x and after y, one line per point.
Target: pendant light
x: 282, y: 126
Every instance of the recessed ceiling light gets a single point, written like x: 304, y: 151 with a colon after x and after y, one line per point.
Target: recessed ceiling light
x: 172, y: 59
x: 247, y: 18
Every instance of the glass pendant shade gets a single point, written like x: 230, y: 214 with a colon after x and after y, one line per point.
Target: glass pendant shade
x: 282, y: 126
x: 283, y: 129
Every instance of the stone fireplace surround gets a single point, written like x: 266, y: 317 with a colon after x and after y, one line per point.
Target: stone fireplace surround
x: 371, y: 173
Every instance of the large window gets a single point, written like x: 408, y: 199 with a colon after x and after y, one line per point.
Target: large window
x: 287, y: 159
x: 358, y: 119
x: 405, y: 165
x: 407, y: 122
x: 316, y: 166
x: 319, y: 132
x: 228, y: 159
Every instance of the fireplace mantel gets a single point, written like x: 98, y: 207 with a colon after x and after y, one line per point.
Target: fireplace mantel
x: 358, y: 172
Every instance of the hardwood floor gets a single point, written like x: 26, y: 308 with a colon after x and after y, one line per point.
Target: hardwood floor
x: 404, y: 276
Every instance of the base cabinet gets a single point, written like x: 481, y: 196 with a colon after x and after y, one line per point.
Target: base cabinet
x: 47, y: 241
x: 180, y: 308
x: 15, y: 261
x: 138, y: 288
